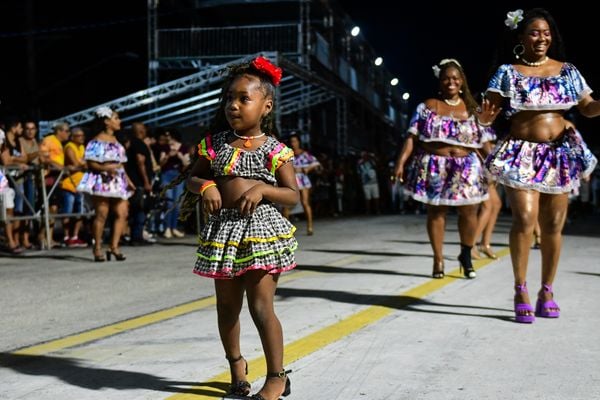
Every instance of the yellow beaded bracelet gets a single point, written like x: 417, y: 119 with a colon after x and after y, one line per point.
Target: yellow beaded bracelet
x: 205, y: 186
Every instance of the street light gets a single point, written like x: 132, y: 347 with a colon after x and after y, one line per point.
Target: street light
x: 394, y: 82
x: 405, y: 96
x: 355, y: 31
x: 378, y: 61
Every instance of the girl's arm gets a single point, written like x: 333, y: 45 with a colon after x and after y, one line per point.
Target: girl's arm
x: 207, y: 188
x: 196, y: 178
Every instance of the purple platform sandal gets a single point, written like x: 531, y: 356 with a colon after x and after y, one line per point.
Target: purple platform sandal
x: 547, y: 309
x: 523, y: 311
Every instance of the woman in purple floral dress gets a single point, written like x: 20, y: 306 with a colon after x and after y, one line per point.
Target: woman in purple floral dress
x: 542, y: 159
x: 446, y: 169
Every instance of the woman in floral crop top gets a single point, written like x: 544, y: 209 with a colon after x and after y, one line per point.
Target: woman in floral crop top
x: 541, y: 160
x: 446, y: 170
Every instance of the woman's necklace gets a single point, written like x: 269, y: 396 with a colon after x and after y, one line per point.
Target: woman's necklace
x: 535, y: 63
x: 248, y: 139
x: 453, y: 103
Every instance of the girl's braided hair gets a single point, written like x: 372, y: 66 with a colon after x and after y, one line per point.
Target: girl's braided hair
x: 269, y: 77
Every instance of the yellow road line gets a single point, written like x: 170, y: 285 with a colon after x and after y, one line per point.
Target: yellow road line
x: 148, y: 319
x: 330, y: 334
x: 101, y: 333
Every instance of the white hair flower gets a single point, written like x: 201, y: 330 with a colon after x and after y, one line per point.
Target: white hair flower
x: 104, y: 112
x: 436, y: 68
x: 513, y: 18
x: 447, y: 60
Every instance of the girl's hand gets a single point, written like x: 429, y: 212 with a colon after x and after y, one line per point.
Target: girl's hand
x: 487, y: 112
x: 250, y: 199
x: 211, y: 200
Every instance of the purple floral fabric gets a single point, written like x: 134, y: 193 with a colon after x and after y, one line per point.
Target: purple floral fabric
x: 552, y: 167
x: 559, y: 92
x: 432, y: 127
x: 448, y: 181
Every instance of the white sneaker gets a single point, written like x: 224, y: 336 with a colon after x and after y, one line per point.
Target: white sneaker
x: 178, y: 233
x: 168, y: 234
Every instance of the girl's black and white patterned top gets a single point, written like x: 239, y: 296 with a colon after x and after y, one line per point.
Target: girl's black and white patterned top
x: 260, y: 164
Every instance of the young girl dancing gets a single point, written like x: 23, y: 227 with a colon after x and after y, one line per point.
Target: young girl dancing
x: 241, y: 172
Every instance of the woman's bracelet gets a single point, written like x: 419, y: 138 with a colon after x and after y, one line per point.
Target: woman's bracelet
x: 205, y: 186
x: 485, y: 124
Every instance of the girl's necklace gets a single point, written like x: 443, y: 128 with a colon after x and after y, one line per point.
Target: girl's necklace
x: 248, y: 139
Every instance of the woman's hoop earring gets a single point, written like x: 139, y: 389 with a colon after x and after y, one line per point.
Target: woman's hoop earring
x: 518, y: 50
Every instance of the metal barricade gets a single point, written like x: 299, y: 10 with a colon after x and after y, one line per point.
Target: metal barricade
x: 14, y: 174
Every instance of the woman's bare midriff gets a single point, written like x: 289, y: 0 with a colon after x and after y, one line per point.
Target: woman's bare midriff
x: 537, y: 126
x: 445, y: 149
x: 232, y: 187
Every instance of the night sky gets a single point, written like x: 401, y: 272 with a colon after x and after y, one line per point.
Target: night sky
x: 88, y: 52
x: 426, y: 32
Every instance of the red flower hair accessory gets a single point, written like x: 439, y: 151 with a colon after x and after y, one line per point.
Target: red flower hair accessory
x: 265, y: 66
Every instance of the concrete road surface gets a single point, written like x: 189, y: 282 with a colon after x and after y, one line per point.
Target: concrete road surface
x: 362, y: 319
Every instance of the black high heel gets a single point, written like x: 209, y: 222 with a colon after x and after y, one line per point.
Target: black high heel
x: 239, y: 388
x: 98, y: 258
x: 466, y: 267
x: 438, y: 270
x: 118, y: 256
x: 282, y: 375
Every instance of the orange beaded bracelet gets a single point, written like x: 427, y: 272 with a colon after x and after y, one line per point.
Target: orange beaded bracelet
x: 205, y: 186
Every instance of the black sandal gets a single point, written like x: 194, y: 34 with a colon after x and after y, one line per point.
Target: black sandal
x: 281, y: 375
x: 98, y: 255
x: 438, y: 270
x: 118, y: 255
x: 239, y: 388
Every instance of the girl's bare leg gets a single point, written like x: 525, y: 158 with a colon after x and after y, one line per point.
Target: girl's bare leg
x: 260, y: 287
x: 229, y: 293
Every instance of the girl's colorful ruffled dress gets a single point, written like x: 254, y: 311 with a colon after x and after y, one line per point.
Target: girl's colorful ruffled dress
x: 230, y: 243
x: 448, y: 181
x: 102, y: 183
x: 549, y: 167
